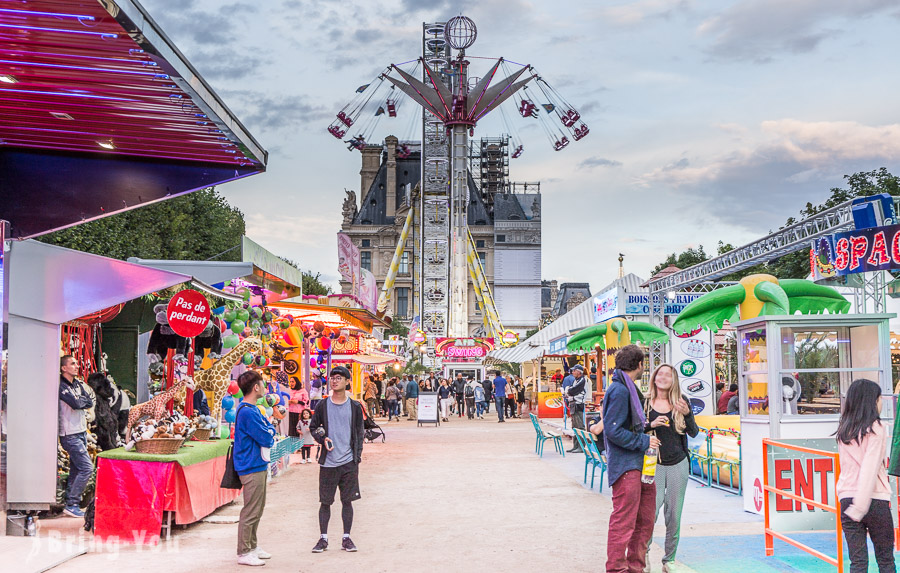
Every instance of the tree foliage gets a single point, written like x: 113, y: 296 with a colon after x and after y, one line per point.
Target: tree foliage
x: 796, y: 265
x: 197, y: 226
x: 312, y: 284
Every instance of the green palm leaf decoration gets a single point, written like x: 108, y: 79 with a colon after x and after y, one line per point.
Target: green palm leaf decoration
x: 806, y: 297
x: 646, y: 333
x: 588, y: 338
x: 711, y: 310
x: 774, y: 299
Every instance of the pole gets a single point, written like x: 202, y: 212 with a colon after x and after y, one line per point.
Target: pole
x: 188, y: 393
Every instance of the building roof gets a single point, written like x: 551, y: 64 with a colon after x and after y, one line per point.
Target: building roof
x: 566, y: 292
x: 663, y: 273
x: 101, y: 113
x: 508, y: 208
x: 372, y: 209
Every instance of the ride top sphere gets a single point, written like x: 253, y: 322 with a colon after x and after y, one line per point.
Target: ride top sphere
x: 460, y: 32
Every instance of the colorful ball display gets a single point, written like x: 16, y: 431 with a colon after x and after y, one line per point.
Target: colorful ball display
x: 267, y: 316
x: 230, y: 415
x: 230, y: 341
x: 248, y: 359
x: 318, y: 326
x: 312, y: 362
x: 262, y: 410
x: 293, y: 337
x: 229, y: 315
x: 279, y: 412
x: 233, y: 388
x: 272, y: 400
x: 243, y: 314
x: 284, y: 324
x: 238, y: 326
x: 227, y: 403
x: 323, y: 344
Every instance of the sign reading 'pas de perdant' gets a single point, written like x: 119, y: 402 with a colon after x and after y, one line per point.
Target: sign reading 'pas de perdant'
x: 188, y: 313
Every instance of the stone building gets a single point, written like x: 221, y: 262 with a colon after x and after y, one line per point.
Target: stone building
x: 504, y: 220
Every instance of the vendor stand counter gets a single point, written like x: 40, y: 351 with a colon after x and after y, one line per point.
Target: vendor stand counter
x: 135, y: 490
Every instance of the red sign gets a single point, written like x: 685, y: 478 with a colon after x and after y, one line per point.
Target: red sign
x: 188, y: 313
x: 349, y: 346
x: 463, y: 347
x: 801, y: 475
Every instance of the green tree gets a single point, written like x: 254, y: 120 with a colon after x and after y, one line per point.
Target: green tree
x: 312, y: 284
x: 397, y: 327
x: 197, y: 226
x: 683, y: 260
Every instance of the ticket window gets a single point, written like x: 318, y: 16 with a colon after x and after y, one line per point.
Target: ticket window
x: 755, y: 372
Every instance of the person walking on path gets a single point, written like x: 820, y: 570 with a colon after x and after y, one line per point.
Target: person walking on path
x: 459, y: 392
x: 393, y: 395
x: 298, y: 402
x: 576, y: 393
x: 305, y: 435
x: 500, y: 395
x: 470, y: 398
x: 631, y: 520
x: 863, y: 488
x: 480, y: 402
x: 74, y: 402
x: 488, y: 394
x: 253, y: 436
x: 337, y: 425
x: 412, y: 397
x: 669, y: 415
x: 444, y: 396
x: 371, y: 397
x: 520, y: 396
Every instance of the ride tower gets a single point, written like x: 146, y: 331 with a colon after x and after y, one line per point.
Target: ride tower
x: 448, y: 103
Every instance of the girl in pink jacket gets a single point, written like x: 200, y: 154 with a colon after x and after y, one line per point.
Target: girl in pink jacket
x: 862, y: 487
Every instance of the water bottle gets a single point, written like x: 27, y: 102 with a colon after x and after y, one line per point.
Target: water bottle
x: 648, y: 473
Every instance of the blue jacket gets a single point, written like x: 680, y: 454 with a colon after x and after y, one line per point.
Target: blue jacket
x: 500, y: 387
x: 252, y: 431
x: 626, y: 441
x: 412, y: 389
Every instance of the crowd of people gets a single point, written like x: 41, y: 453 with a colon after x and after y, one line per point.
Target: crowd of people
x: 395, y: 397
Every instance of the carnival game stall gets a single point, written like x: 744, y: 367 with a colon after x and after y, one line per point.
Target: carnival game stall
x: 794, y: 363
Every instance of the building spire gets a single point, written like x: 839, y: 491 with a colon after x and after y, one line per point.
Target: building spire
x: 621, y: 268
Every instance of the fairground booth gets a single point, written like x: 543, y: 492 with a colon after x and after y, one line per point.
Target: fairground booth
x: 100, y: 114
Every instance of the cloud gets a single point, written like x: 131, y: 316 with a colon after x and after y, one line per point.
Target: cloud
x: 760, y: 30
x: 757, y: 185
x: 636, y: 13
x: 260, y: 111
x: 226, y: 63
x: 592, y: 162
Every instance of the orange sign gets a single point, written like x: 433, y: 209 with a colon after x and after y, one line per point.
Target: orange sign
x: 349, y: 346
x: 550, y: 405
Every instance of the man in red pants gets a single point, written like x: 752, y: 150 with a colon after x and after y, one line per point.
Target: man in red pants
x: 634, y: 502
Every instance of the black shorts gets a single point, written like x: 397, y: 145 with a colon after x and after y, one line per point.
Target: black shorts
x: 346, y: 477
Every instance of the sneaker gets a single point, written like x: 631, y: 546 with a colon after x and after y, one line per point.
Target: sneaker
x: 321, y: 545
x: 250, y: 559
x: 347, y: 545
x: 73, y: 511
x: 261, y: 553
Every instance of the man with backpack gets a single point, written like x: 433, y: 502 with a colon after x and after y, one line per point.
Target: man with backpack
x: 488, y: 387
x: 470, y: 398
x: 459, y: 391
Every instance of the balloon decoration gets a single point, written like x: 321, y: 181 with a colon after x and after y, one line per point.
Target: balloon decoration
x: 323, y: 344
x: 238, y: 326
x: 293, y: 337
x: 227, y: 403
x: 243, y: 314
x: 248, y: 358
x: 233, y: 388
x: 229, y: 315
x: 279, y: 412
x: 318, y: 326
x: 230, y: 416
x: 272, y: 400
x: 230, y: 341
x: 262, y: 410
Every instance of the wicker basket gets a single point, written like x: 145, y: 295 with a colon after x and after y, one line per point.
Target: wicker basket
x: 201, y: 434
x: 158, y: 445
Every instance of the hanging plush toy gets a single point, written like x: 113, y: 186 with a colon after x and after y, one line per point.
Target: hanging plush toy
x: 163, y: 337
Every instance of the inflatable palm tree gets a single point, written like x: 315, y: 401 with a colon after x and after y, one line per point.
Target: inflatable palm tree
x: 615, y: 333
x: 758, y: 295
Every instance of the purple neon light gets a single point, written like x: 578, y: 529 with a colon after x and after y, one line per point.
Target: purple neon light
x: 68, y: 95
x: 51, y: 14
x: 427, y: 71
x: 60, y: 30
x: 82, y: 68
x: 53, y: 55
x: 484, y: 91
x: 488, y: 107
x: 434, y: 109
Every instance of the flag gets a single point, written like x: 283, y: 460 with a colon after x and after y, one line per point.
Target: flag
x: 548, y: 106
x: 362, y: 88
x: 380, y: 111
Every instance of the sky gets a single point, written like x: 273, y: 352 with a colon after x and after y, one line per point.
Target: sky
x: 709, y: 120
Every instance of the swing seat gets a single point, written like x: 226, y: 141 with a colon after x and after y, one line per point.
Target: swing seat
x: 392, y: 108
x: 356, y: 143
x: 573, y: 115
x: 517, y: 152
x: 581, y: 131
x: 404, y: 152
x: 567, y: 121
x: 338, y: 133
x: 344, y: 119
x: 561, y: 143
x: 526, y: 108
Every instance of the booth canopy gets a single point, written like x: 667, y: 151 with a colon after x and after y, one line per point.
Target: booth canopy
x: 332, y: 316
x: 100, y: 113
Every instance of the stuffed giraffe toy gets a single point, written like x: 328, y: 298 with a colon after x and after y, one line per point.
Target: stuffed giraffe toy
x: 155, y: 407
x: 214, y: 381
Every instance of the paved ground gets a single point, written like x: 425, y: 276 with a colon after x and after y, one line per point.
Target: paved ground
x: 464, y: 496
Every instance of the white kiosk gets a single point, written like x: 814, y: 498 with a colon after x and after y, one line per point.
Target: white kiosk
x: 794, y: 371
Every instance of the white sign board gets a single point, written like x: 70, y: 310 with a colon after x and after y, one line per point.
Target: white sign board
x: 428, y: 408
x: 693, y: 357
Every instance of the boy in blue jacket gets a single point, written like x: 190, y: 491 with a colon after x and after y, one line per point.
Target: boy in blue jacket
x: 252, y: 432
x: 634, y: 502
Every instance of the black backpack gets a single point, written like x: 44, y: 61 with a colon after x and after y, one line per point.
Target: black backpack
x: 470, y: 392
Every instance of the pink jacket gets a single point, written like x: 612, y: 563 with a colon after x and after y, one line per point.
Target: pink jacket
x: 863, y: 474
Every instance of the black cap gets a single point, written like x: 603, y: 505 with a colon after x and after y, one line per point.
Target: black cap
x: 342, y: 371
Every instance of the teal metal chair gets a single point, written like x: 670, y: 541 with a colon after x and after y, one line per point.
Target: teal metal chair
x: 592, y: 456
x: 542, y: 436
